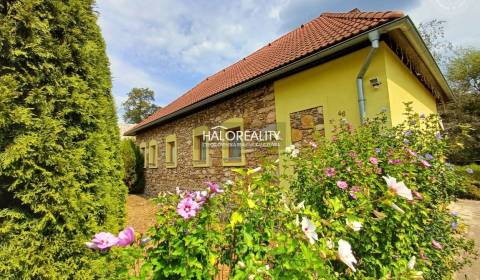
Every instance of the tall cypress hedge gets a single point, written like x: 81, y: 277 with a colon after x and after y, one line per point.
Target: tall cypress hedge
x: 60, y: 167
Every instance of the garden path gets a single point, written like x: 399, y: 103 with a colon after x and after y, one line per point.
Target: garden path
x: 140, y: 212
x: 469, y: 210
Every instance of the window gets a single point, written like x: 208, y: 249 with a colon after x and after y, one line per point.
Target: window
x: 233, y: 151
x: 171, y: 151
x: 234, y: 144
x: 201, y: 157
x: 152, y: 154
x: 143, y: 149
x: 202, y: 149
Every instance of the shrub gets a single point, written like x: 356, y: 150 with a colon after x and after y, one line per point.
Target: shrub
x: 472, y: 181
x: 347, y: 178
x: 250, y: 231
x: 367, y: 204
x: 133, y: 166
x: 60, y: 166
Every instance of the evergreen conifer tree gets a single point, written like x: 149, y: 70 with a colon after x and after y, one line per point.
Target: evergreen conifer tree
x: 60, y: 167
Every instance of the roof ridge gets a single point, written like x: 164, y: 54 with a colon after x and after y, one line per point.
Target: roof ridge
x: 356, y: 13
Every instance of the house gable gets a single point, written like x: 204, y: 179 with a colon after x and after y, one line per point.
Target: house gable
x: 404, y: 86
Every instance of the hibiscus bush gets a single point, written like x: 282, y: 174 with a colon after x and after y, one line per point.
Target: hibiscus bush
x: 392, y: 188
x: 249, y: 228
x: 370, y: 203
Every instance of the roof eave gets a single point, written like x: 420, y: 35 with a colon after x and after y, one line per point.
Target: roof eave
x: 411, y: 33
x: 404, y: 23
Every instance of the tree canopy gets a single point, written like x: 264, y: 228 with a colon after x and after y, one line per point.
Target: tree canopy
x: 139, y: 105
x: 464, y: 71
x: 461, y: 116
x: 433, y: 34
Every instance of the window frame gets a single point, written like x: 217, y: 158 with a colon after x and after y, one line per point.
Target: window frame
x: 152, y: 154
x: 227, y: 125
x: 144, y: 151
x: 236, y: 141
x: 171, y: 159
x: 196, y: 149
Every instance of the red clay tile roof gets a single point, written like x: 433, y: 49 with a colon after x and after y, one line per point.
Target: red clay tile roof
x: 320, y: 33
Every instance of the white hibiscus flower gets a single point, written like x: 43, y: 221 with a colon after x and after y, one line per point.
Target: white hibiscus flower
x: 309, y: 229
x: 345, y: 254
x: 398, y: 187
x: 355, y: 225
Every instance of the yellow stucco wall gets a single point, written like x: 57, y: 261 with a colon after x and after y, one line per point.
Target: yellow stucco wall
x: 332, y: 85
x: 403, y: 86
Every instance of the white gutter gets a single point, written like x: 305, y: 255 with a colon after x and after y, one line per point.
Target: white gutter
x: 374, y: 37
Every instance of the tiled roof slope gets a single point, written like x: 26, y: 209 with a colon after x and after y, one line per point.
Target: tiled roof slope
x: 322, y: 32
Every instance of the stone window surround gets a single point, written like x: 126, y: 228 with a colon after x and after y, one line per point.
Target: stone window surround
x: 172, y: 138
x: 198, y: 131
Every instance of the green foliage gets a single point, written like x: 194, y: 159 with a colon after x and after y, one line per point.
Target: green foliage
x: 133, y: 166
x: 462, y: 125
x: 250, y: 231
x: 139, y: 105
x: 464, y: 71
x: 395, y: 229
x: 60, y: 166
x: 472, y: 181
x: 462, y: 116
x: 253, y: 229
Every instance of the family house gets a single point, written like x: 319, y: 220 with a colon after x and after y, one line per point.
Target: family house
x: 360, y: 63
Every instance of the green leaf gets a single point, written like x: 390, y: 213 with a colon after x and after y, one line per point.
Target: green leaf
x: 235, y: 218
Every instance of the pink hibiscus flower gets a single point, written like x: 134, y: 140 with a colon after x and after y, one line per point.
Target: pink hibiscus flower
x: 330, y: 172
x: 342, y: 185
x: 412, y: 153
x: 126, y: 237
x: 102, y: 241
x: 425, y: 163
x: 436, y: 244
x: 214, y: 187
x: 187, y: 208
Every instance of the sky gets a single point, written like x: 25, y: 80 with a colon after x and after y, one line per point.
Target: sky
x: 170, y: 46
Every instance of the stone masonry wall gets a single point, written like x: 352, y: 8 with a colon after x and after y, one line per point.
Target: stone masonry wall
x: 256, y: 107
x: 306, y: 124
